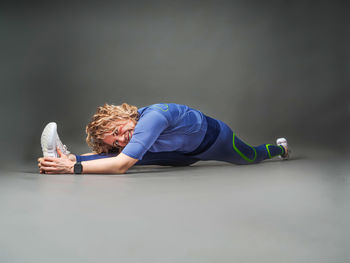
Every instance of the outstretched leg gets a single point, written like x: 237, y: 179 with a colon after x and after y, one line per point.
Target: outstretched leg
x: 82, y: 158
x: 229, y: 148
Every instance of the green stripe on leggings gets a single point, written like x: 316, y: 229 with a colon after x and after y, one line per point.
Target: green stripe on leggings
x: 241, y: 154
x: 268, y: 150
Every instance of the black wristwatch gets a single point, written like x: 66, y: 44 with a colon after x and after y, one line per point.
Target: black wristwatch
x: 78, y: 168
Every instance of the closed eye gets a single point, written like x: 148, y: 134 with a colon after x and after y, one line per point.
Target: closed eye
x: 115, y: 144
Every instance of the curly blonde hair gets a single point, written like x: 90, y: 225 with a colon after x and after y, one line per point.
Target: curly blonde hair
x: 101, y: 125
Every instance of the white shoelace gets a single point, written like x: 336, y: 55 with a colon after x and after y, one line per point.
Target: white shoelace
x: 62, y: 146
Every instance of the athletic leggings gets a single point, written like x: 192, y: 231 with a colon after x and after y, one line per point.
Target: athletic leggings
x: 227, y: 148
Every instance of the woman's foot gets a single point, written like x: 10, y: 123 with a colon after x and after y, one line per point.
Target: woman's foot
x: 50, y: 141
x: 283, y: 142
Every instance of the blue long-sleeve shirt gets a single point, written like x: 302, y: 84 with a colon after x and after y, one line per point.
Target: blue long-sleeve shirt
x: 166, y: 128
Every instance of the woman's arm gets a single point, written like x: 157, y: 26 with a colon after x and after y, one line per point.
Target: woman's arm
x: 114, y: 165
x: 63, y: 165
x: 86, y: 154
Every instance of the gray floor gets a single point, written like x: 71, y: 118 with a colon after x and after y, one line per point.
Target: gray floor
x: 277, y: 211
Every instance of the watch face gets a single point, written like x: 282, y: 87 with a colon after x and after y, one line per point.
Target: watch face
x: 78, y: 168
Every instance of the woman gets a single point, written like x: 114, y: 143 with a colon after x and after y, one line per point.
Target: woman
x: 164, y: 134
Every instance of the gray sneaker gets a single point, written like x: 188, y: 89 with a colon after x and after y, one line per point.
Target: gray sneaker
x: 50, y: 141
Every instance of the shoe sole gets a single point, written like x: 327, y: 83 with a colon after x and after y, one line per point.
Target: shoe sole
x: 48, y: 140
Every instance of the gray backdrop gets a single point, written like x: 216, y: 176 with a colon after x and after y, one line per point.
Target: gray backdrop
x: 267, y: 68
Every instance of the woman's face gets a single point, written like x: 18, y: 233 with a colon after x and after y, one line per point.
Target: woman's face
x: 123, y: 131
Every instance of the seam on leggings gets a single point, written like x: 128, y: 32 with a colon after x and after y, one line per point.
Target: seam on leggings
x: 268, y: 151
x: 241, y: 154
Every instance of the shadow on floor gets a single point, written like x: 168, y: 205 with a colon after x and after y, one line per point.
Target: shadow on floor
x: 30, y: 168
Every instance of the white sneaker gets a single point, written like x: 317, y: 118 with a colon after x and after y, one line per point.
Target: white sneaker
x: 283, y: 142
x: 50, y: 141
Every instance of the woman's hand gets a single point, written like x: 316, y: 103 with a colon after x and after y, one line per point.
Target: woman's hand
x: 52, y: 165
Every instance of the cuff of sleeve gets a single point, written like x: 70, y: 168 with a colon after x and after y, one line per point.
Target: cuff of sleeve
x: 134, y: 150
